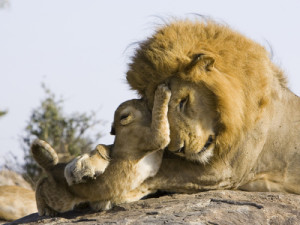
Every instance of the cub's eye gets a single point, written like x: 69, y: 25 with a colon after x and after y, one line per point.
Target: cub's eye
x: 182, y: 103
x: 124, y: 116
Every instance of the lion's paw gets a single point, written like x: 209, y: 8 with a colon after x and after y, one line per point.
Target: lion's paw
x: 79, y: 170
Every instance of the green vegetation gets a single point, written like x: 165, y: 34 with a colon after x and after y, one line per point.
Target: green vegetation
x: 68, y: 135
x: 2, y: 113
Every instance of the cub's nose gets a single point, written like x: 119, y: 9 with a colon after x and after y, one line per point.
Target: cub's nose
x: 181, y: 150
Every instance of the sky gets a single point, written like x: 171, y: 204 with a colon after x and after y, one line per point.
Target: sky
x: 81, y: 49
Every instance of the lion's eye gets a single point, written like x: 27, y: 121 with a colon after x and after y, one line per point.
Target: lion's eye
x: 182, y: 103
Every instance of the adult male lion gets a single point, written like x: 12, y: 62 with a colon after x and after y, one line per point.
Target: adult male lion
x: 232, y: 119
x: 233, y: 122
x: 231, y: 114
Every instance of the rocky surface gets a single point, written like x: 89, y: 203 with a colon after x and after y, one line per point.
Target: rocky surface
x: 213, y: 207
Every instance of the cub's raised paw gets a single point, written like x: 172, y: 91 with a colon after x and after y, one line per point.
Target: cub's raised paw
x: 44, y: 154
x: 163, y: 92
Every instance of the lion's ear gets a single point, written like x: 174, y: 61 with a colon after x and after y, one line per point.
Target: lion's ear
x: 201, y: 60
x: 104, y: 151
x: 207, y: 62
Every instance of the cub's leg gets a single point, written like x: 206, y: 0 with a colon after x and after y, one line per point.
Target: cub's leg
x: 158, y: 136
x: 40, y: 195
x: 52, y: 193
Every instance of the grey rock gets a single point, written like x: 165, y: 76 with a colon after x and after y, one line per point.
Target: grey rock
x: 212, y: 207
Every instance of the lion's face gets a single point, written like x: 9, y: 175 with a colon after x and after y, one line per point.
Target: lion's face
x: 219, y: 81
x: 192, y: 117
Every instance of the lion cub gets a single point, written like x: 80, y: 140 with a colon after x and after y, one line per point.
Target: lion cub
x: 141, y: 136
x: 134, y: 135
x: 136, y: 155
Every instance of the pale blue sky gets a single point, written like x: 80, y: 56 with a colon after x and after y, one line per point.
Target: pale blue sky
x: 79, y: 47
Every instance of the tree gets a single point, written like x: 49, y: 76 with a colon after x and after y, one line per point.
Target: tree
x: 2, y: 113
x: 68, y: 135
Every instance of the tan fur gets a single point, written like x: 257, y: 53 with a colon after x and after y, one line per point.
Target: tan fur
x: 240, y: 76
x: 136, y: 156
x: 52, y: 194
x: 52, y: 191
x: 137, y: 150
x: 235, y: 95
x: 87, y: 166
x: 224, y: 89
x: 16, y: 202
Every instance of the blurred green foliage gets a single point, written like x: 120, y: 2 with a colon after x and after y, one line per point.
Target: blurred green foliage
x: 69, y: 135
x: 2, y: 113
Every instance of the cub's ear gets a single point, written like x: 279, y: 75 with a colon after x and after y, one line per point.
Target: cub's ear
x: 201, y: 60
x: 104, y: 151
x: 126, y: 119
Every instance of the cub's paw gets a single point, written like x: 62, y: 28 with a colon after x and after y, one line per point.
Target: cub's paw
x: 163, y: 92
x: 49, y: 212
x: 44, y: 154
x: 101, y: 205
x: 87, y: 166
x: 79, y: 170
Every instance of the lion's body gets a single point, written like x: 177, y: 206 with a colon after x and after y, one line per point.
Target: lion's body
x: 277, y: 167
x: 233, y: 122
x: 256, y: 128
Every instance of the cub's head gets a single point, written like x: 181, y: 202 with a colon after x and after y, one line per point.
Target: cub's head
x: 219, y: 79
x: 129, y: 117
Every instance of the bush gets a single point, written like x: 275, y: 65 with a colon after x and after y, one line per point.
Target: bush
x: 66, y: 134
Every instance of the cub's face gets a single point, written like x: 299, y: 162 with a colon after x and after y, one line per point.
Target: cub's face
x: 129, y: 114
x: 192, y: 116
x: 129, y: 120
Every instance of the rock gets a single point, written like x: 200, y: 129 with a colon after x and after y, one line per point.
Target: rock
x: 11, y: 178
x: 212, y: 207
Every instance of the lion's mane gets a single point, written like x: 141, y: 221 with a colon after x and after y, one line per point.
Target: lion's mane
x: 243, y: 77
